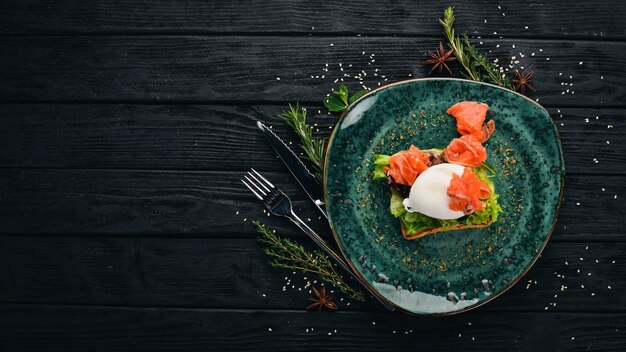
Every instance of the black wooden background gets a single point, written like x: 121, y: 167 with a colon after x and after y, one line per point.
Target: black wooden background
x: 125, y: 126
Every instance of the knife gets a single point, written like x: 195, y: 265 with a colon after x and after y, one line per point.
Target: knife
x: 299, y: 171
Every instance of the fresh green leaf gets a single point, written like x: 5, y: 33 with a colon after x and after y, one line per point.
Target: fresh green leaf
x: 381, y: 159
x: 396, y: 206
x: 334, y: 104
x: 342, y: 92
x: 380, y: 162
x: 492, y: 209
x: 489, y: 213
x: 357, y: 95
x: 416, y: 222
x: 447, y: 224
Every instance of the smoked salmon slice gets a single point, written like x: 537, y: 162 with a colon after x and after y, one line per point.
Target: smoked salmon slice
x: 470, y: 117
x: 466, y: 151
x: 406, y: 165
x: 466, y: 192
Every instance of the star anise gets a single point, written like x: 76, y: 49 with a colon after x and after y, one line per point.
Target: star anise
x: 321, y: 300
x: 439, y: 59
x: 523, y: 81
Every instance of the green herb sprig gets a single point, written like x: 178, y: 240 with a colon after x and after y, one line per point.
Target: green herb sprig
x: 313, y: 148
x: 340, y: 101
x: 476, y: 65
x: 287, y: 254
x: 491, y: 69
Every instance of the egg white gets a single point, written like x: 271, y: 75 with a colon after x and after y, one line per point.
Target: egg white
x: 429, y: 193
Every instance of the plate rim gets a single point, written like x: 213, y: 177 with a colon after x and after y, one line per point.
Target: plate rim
x: 513, y: 282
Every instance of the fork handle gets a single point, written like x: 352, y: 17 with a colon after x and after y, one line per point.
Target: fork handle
x: 331, y: 253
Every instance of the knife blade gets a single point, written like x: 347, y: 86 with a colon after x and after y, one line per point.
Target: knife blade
x: 297, y: 168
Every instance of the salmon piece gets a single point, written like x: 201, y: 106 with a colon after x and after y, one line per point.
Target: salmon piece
x: 466, y: 192
x: 466, y: 151
x: 406, y: 165
x: 470, y: 117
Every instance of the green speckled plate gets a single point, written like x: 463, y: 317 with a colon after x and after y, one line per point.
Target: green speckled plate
x: 455, y: 271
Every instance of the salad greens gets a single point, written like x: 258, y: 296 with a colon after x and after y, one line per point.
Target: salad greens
x: 415, y: 222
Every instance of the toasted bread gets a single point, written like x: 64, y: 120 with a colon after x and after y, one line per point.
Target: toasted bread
x: 432, y: 230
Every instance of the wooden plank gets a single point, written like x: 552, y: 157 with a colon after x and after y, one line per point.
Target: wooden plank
x: 210, y: 204
x: 260, y: 68
x: 201, y: 137
x: 509, y: 18
x: 233, y: 273
x: 67, y: 328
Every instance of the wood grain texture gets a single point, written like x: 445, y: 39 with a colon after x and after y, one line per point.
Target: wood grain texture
x: 509, y: 18
x: 127, y: 202
x: 224, y: 274
x: 225, y: 138
x: 66, y: 328
x: 248, y: 68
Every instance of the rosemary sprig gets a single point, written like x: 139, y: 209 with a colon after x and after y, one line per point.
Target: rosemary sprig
x: 476, y: 65
x: 313, y: 148
x: 287, y: 254
x: 494, y: 75
x: 455, y: 43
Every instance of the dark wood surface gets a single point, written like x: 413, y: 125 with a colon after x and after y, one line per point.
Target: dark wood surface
x: 124, y: 128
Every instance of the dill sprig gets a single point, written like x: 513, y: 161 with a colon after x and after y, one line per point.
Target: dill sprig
x: 313, y: 148
x: 287, y: 254
x: 476, y: 65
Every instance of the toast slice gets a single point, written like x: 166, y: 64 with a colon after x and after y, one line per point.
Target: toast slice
x: 433, y: 230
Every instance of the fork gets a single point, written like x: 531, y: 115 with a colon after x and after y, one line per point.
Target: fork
x: 279, y: 204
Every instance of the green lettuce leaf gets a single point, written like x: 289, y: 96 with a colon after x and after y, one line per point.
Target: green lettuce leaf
x: 380, y: 161
x: 396, y: 206
x: 492, y: 208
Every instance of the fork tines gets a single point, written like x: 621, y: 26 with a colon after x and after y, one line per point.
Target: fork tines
x: 260, y: 183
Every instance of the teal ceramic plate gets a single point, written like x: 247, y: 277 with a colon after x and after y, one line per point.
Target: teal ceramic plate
x: 455, y: 271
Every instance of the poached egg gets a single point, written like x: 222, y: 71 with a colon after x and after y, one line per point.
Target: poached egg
x: 429, y: 193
